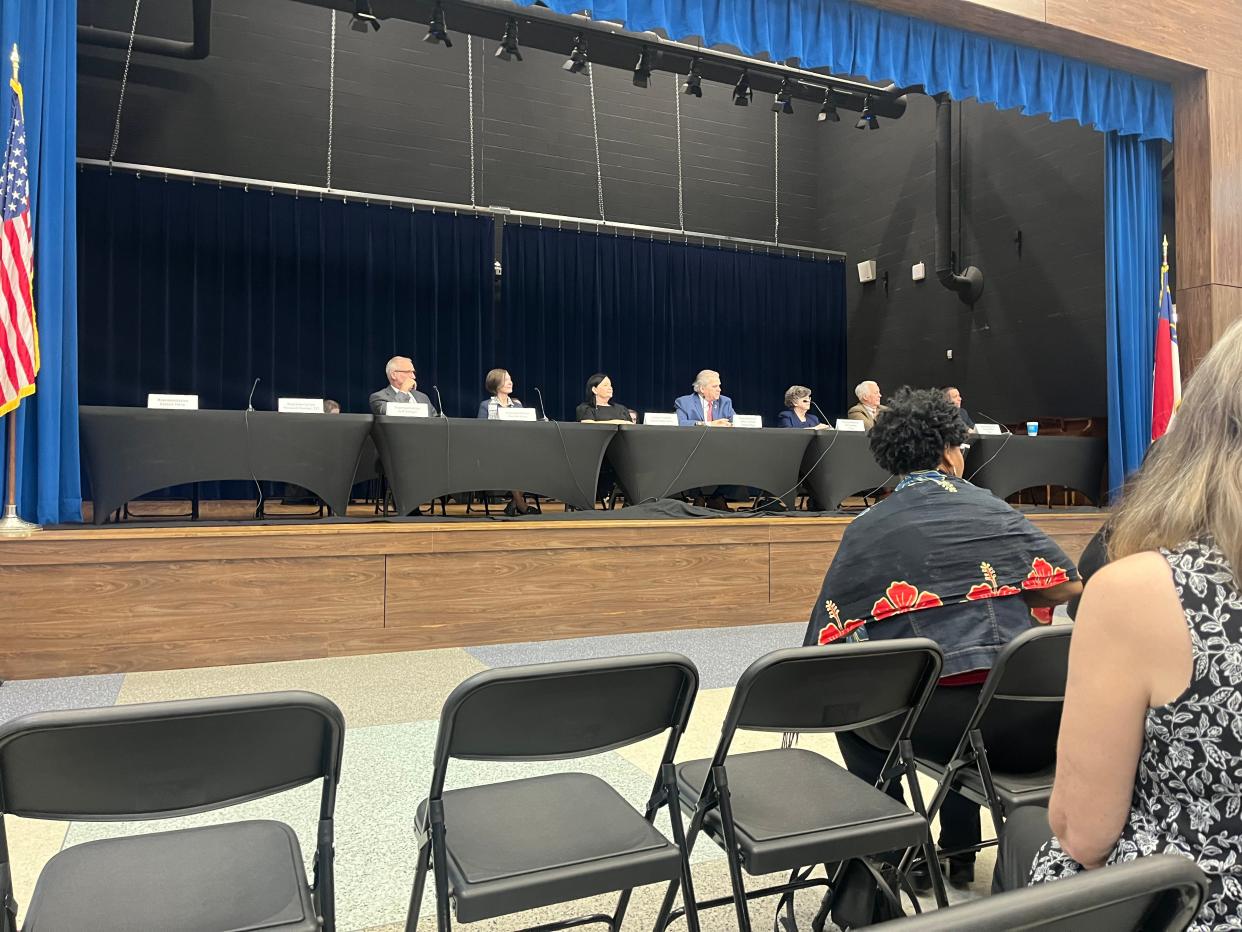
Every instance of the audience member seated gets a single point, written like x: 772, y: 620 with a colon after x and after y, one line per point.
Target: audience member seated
x: 943, y: 559
x: 955, y: 398
x: 705, y: 406
x: 599, y: 407
x: 1150, y: 749
x: 797, y: 411
x: 868, y: 394
x: 401, y: 387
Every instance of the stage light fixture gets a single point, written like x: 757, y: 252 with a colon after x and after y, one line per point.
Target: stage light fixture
x: 783, y: 101
x: 642, y: 71
x: 867, y: 120
x: 509, y: 42
x: 436, y: 30
x: 742, y: 92
x: 694, y: 80
x: 828, y: 112
x: 364, y: 18
x: 578, y: 59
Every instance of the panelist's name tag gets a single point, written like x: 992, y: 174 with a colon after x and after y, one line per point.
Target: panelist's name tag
x: 660, y: 418
x: 406, y: 409
x: 173, y: 402
x: 848, y: 423
x: 988, y: 430
x: 515, y: 414
x: 299, y: 405
x: 747, y: 420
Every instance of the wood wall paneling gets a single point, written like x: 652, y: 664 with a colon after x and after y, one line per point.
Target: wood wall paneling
x: 1225, y: 116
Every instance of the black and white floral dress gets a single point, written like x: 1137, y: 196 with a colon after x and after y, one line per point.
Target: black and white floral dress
x: 1188, y: 791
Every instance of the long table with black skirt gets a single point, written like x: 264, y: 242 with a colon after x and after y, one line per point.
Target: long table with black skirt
x: 132, y: 451
x: 425, y: 458
x: 838, y: 464
x: 1014, y: 462
x: 656, y: 462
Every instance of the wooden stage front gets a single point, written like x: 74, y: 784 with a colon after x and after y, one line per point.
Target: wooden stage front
x: 118, y: 599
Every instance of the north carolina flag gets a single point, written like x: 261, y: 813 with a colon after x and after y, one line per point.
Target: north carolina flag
x: 1167, y: 387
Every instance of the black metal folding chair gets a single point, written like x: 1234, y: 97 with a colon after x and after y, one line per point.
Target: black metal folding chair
x: 165, y: 759
x: 1159, y: 893
x: 501, y: 848
x: 1023, y: 694
x: 792, y: 809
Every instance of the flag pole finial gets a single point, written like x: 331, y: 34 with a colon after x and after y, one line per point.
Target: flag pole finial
x: 16, y: 60
x: 1166, y: 244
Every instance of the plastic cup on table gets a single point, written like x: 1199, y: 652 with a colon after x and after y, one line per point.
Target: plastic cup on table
x: 1032, y: 428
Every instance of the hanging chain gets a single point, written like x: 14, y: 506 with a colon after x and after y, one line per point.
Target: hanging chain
x: 120, y: 103
x: 776, y: 176
x: 331, y: 95
x: 470, y: 108
x: 681, y: 204
x: 599, y: 171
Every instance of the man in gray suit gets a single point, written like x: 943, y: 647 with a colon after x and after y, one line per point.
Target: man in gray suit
x: 402, y: 387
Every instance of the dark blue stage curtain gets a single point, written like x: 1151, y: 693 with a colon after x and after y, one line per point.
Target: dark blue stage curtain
x: 1132, y: 270
x: 48, y: 476
x: 651, y: 314
x: 852, y: 38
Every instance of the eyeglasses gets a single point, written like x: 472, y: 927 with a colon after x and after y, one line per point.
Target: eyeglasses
x: 398, y: 371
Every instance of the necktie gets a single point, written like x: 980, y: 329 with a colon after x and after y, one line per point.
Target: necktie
x: 709, y: 412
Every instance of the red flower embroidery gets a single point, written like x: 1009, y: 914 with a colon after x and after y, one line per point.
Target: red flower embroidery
x: 1042, y: 615
x: 903, y: 597
x: 1044, y: 575
x: 837, y: 629
x: 989, y: 589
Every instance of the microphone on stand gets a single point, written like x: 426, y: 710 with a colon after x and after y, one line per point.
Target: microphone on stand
x: 439, y: 400
x: 250, y: 400
x: 542, y: 407
x: 823, y: 418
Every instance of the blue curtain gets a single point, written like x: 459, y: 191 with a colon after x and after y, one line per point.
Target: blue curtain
x: 48, y: 483
x: 852, y: 38
x: 1132, y: 270
x: 651, y: 314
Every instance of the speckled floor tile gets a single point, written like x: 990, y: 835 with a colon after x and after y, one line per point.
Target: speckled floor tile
x: 20, y: 697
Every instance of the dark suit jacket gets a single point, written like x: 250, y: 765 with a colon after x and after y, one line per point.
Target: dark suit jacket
x: 388, y: 393
x: 788, y: 419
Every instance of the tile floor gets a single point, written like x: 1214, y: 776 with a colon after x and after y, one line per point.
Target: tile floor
x: 391, y: 703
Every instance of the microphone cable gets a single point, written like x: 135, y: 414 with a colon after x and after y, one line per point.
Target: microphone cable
x: 448, y: 459
x: 258, y: 508
x: 814, y: 466
x: 1000, y: 449
x: 569, y: 463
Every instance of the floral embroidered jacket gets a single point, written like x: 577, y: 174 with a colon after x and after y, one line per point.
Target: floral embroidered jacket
x: 942, y: 559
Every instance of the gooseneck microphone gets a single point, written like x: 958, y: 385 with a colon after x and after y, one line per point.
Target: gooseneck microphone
x: 542, y: 407
x: 998, y: 423
x: 250, y: 400
x: 823, y: 418
x: 439, y: 400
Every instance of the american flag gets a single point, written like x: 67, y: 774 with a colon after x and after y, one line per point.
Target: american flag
x: 19, y: 340
x: 1167, y: 371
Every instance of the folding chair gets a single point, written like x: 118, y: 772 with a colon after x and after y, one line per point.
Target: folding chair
x: 165, y: 759
x: 791, y: 809
x: 505, y: 847
x: 1023, y: 694
x: 1158, y: 893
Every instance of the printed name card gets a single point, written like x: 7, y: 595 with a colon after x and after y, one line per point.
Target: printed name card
x: 988, y: 430
x: 173, y: 402
x: 299, y: 405
x: 660, y: 418
x: 747, y: 420
x: 845, y: 423
x: 515, y: 414
x: 406, y: 409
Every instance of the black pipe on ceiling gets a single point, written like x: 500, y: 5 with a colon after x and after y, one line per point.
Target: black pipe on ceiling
x: 969, y: 283
x: 198, y: 48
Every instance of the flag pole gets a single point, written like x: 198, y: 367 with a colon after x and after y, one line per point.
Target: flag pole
x: 11, y: 525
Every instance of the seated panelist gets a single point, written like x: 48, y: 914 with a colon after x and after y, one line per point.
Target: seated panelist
x: 402, y: 387
x: 868, y: 394
x: 599, y: 407
x: 955, y: 398
x: 706, y: 406
x: 797, y: 411
x: 499, y: 387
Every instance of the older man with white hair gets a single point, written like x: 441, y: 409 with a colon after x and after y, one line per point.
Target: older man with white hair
x: 868, y: 406
x: 402, y: 387
x: 706, y: 406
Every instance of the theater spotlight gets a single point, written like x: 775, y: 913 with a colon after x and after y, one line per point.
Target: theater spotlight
x: 868, y: 119
x: 783, y: 101
x: 436, y: 30
x: 694, y: 80
x: 642, y: 71
x: 828, y: 112
x: 742, y: 92
x: 578, y: 57
x: 509, y: 43
x: 363, y: 18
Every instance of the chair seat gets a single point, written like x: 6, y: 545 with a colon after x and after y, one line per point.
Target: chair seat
x: 1013, y: 789
x: 529, y: 843
x: 240, y: 876
x: 793, y: 807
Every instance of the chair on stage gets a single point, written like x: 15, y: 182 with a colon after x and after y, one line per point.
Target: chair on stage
x: 791, y: 809
x: 501, y: 848
x: 1158, y: 893
x: 165, y: 759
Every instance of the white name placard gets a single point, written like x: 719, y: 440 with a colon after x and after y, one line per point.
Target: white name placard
x: 747, y: 420
x: 299, y: 405
x: 988, y: 430
x: 406, y: 409
x: 847, y: 423
x: 515, y: 414
x: 660, y: 418
x: 173, y: 402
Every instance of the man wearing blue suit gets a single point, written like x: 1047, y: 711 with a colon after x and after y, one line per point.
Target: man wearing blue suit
x: 706, y: 407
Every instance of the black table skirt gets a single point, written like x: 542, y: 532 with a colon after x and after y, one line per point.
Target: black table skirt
x: 132, y: 451
x: 425, y: 458
x: 1011, y: 463
x: 846, y: 468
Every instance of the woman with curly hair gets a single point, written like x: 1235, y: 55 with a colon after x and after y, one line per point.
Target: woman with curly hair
x: 942, y: 559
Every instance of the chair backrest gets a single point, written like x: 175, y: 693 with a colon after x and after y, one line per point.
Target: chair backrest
x: 163, y: 759
x: 1158, y: 893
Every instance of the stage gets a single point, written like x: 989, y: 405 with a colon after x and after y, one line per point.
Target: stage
x: 120, y: 598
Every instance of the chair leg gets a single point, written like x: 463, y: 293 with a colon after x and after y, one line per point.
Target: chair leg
x: 416, y: 895
x: 670, y: 895
x: 736, y: 879
x: 439, y: 854
x: 679, y: 838
x: 618, y: 914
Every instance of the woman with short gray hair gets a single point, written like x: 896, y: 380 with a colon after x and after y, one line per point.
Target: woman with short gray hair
x: 797, y: 411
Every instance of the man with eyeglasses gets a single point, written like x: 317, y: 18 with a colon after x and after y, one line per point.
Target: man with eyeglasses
x: 402, y: 387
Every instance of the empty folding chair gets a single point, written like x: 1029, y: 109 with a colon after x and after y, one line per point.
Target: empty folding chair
x: 1160, y: 893
x: 502, y: 848
x: 790, y: 808
x: 165, y: 759
x: 1023, y: 695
